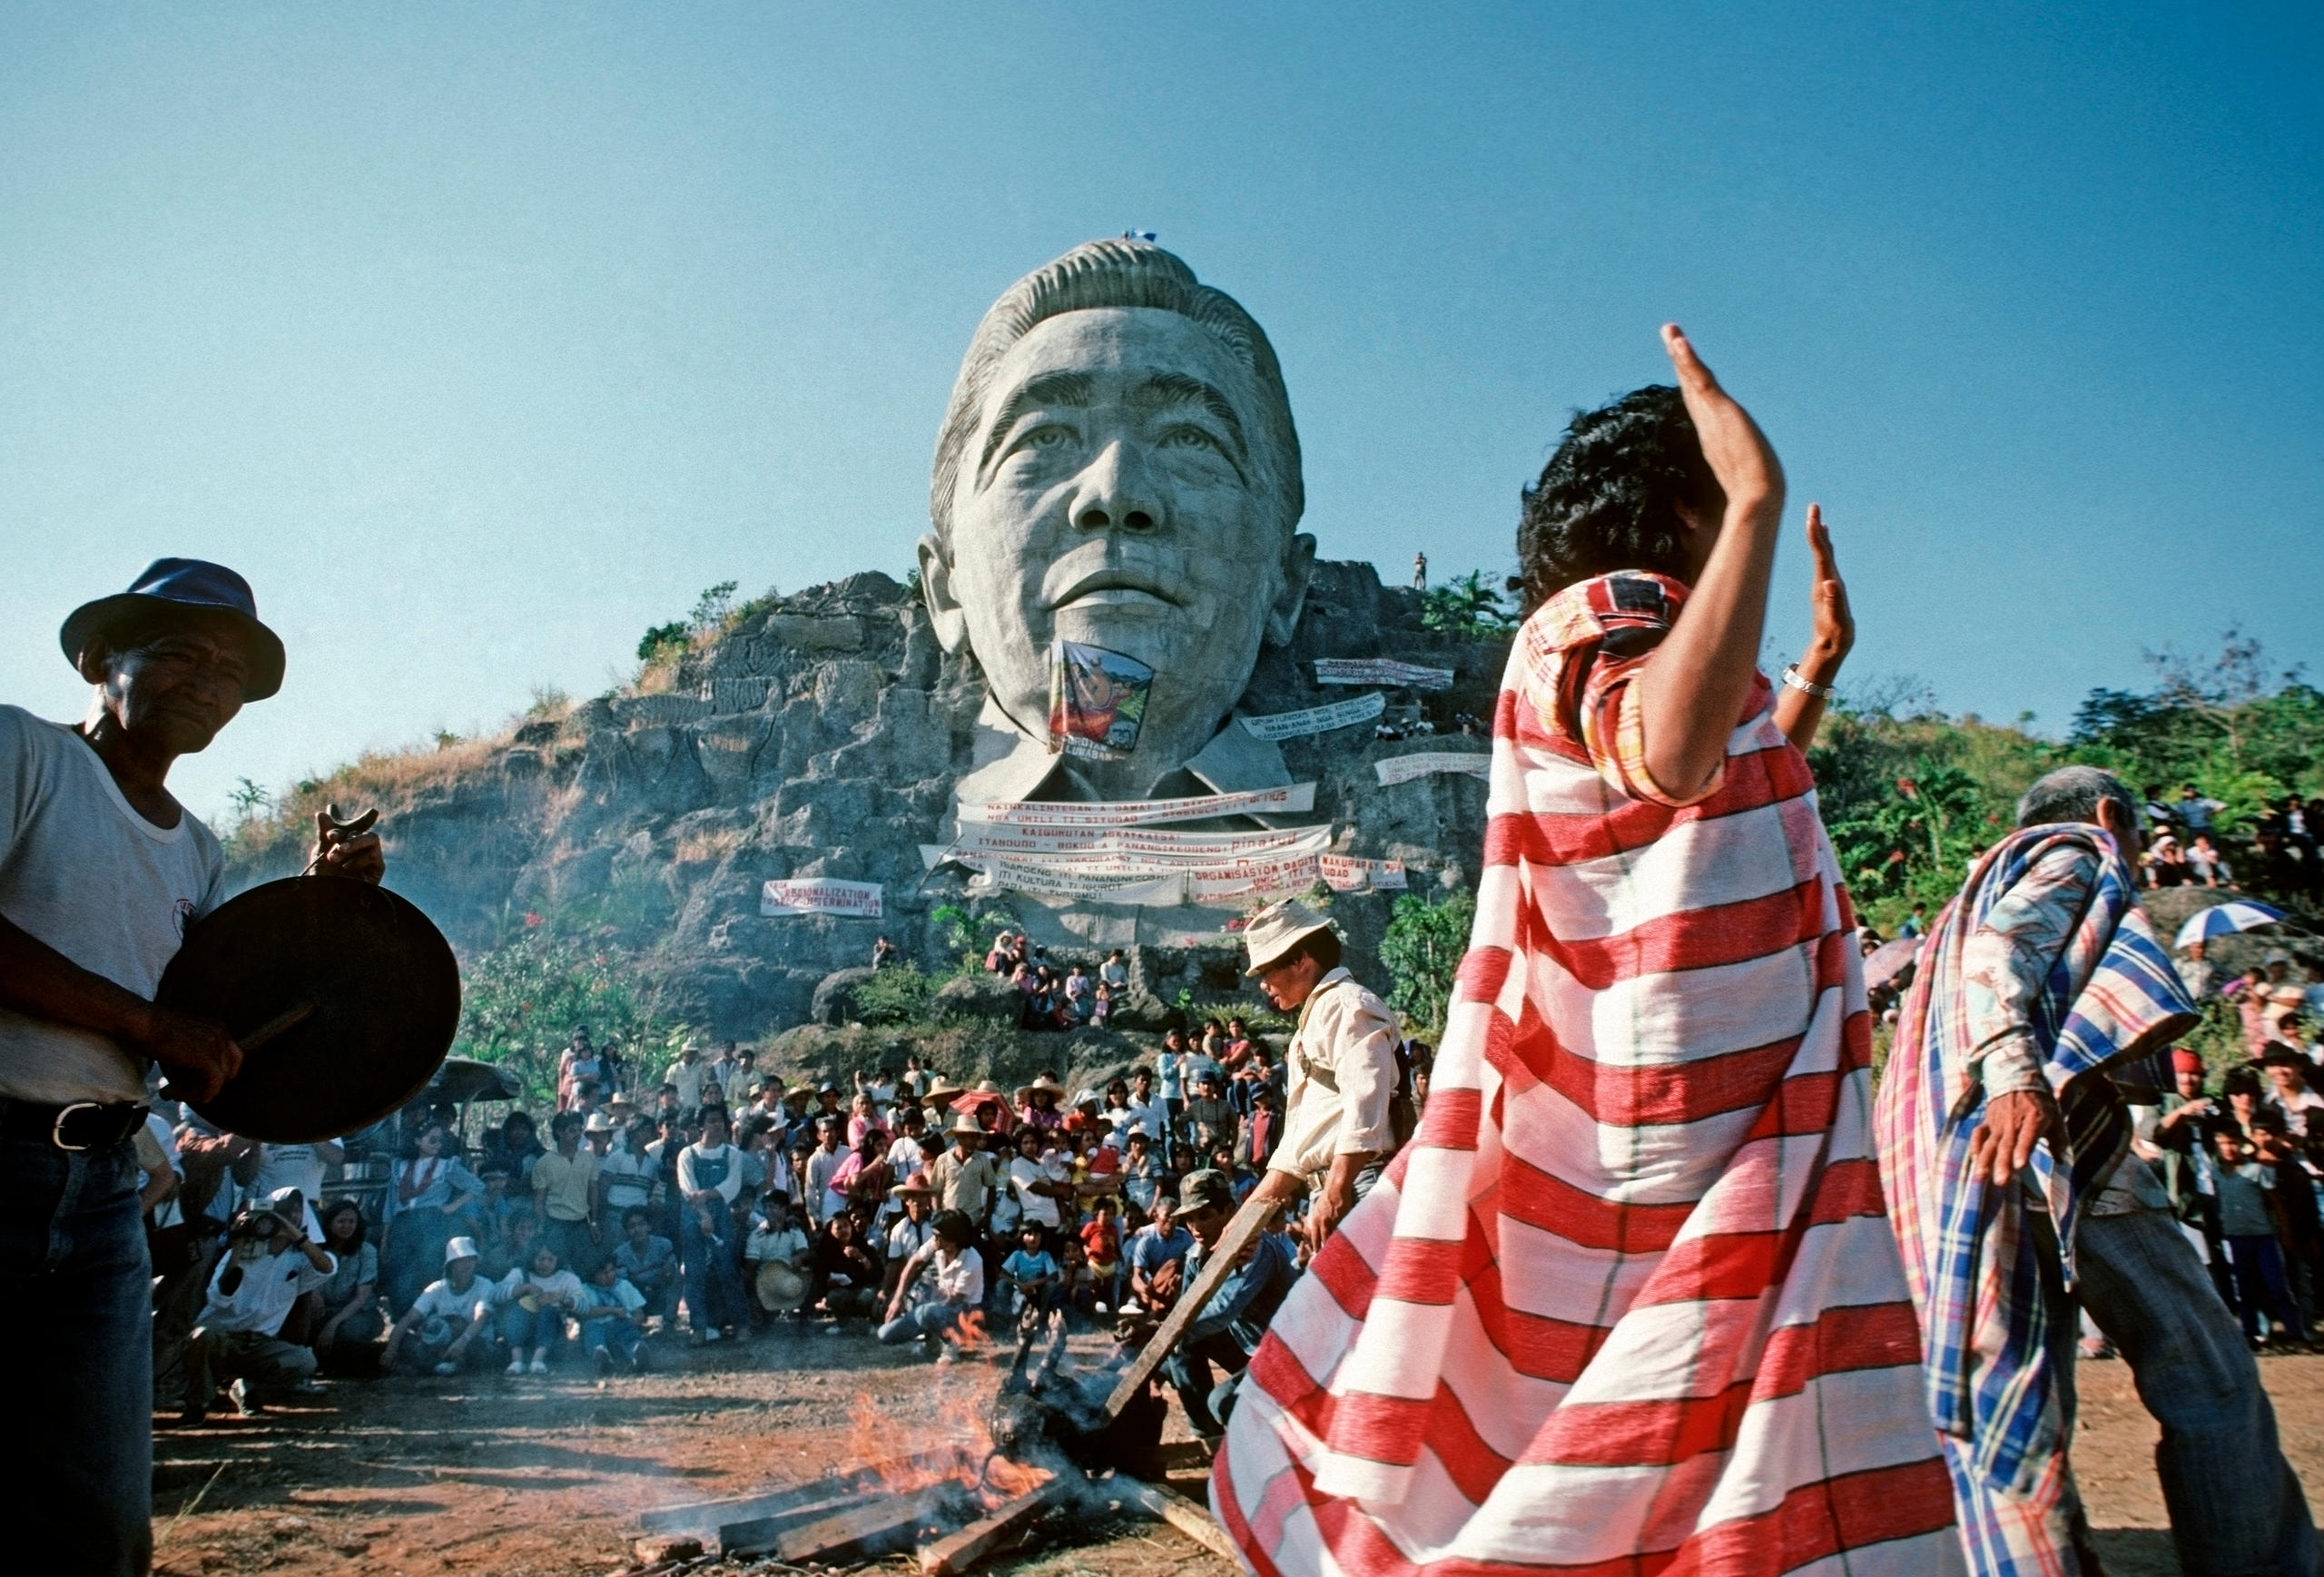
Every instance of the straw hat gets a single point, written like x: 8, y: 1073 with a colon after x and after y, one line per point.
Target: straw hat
x: 1277, y: 930
x: 962, y: 1123
x: 915, y: 1184
x: 944, y: 1092
x: 1026, y: 1092
x: 779, y: 1288
x: 598, y: 1123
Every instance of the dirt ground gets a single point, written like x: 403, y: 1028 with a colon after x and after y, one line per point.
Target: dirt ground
x: 544, y: 1477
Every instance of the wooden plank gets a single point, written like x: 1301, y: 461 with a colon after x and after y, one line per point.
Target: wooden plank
x: 764, y: 1532
x: 882, y: 1522
x: 1193, y: 1521
x: 707, y: 1517
x: 956, y: 1553
x: 1241, y: 1233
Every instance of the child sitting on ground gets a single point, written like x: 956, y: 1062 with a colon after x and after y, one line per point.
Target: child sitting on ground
x: 1032, y: 1274
x: 612, y: 1316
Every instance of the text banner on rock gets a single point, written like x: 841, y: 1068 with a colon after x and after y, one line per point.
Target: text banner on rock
x: 1381, y: 671
x: 1399, y: 769
x: 819, y: 895
x: 1292, y: 799
x: 1164, y: 892
x: 1344, y: 874
x: 1279, y: 725
x: 1158, y: 849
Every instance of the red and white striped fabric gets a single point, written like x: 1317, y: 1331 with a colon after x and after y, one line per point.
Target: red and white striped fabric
x: 1629, y: 1302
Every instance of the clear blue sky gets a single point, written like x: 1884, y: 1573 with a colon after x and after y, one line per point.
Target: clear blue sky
x: 483, y: 336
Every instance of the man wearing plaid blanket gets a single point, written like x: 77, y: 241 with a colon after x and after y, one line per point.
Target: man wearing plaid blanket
x: 2004, y: 1150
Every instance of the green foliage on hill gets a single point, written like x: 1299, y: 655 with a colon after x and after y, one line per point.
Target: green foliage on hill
x: 522, y: 1000
x: 1911, y: 797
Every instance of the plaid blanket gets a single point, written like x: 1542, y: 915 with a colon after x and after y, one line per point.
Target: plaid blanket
x: 1971, y: 1252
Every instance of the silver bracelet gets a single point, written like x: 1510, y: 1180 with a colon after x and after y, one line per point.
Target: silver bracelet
x: 1805, y: 687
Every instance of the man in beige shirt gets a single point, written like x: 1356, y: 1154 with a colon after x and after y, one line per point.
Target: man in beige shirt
x: 1341, y: 1067
x: 965, y: 1176
x: 565, y: 1192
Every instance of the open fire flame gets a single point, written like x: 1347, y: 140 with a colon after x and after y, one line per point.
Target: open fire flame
x: 951, y: 1444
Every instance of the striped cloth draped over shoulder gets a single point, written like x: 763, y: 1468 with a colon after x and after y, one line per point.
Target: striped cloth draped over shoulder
x: 2112, y: 997
x: 1629, y: 1303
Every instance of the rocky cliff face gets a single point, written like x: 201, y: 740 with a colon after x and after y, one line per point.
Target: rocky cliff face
x: 821, y: 736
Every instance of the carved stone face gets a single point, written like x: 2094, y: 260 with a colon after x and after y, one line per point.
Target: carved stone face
x: 1115, y: 492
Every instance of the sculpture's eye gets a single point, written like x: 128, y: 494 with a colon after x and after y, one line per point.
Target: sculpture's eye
x: 1191, y: 437
x: 1048, y: 437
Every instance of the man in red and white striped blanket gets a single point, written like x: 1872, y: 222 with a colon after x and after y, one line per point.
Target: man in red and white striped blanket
x: 1629, y: 1303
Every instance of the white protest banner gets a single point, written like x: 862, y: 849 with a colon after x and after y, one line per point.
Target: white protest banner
x: 1316, y: 719
x: 1399, y: 769
x: 1292, y: 799
x: 1252, y: 879
x: 1344, y: 874
x: 1044, y: 881
x: 1159, y: 849
x: 1381, y: 671
x: 821, y: 895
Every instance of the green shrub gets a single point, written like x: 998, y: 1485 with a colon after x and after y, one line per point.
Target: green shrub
x: 1422, y: 953
x: 899, y: 994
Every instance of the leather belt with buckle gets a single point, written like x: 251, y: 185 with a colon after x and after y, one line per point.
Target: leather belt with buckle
x: 77, y: 1127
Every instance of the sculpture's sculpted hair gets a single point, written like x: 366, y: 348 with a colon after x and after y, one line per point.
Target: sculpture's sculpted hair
x: 1118, y: 273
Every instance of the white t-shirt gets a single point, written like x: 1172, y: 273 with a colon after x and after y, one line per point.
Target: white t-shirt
x: 1023, y: 1173
x: 289, y: 1167
x: 263, y: 1292
x: 440, y: 1302
x: 86, y: 874
x: 789, y: 1245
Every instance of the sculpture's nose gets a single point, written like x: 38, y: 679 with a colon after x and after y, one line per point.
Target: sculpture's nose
x: 1115, y: 493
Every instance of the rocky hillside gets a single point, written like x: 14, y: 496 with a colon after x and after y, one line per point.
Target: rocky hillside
x: 820, y: 734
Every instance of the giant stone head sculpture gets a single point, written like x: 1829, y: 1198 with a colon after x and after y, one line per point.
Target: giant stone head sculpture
x: 1117, y: 467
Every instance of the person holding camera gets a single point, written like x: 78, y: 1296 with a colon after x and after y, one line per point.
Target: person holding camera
x: 268, y: 1265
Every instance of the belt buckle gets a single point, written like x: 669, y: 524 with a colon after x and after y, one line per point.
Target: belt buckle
x: 57, y: 1130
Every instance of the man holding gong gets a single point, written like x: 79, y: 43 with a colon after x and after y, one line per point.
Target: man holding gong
x: 101, y: 873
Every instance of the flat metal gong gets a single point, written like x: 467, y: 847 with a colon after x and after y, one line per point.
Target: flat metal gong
x: 344, y: 996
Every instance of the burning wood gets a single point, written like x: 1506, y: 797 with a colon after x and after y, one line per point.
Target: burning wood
x: 1193, y: 1521
x: 955, y: 1553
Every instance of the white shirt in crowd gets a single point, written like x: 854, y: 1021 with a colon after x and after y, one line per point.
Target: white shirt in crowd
x: 263, y: 1292
x: 441, y: 1302
x: 787, y: 1244
x: 689, y: 1077
x: 1023, y: 1173
x: 289, y: 1167
x: 83, y: 871
x: 629, y: 1180
x: 959, y: 1281
x: 698, y: 1162
x: 558, y: 1285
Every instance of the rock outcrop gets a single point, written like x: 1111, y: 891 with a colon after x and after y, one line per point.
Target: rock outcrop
x: 820, y: 737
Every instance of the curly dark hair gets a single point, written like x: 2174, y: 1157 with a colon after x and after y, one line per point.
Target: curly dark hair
x: 1609, y: 497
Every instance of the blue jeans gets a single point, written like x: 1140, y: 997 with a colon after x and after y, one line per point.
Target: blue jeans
x: 527, y: 1331
x: 714, y: 1296
x: 930, y: 1319
x: 2236, y: 1509
x: 76, y: 1310
x: 614, y: 1332
x: 2261, y: 1286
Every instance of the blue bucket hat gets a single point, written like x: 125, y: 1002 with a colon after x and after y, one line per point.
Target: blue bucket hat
x: 187, y: 584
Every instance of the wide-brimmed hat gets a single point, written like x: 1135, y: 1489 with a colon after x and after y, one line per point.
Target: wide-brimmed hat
x: 779, y: 1288
x: 460, y: 1248
x: 1275, y: 929
x: 1025, y: 1092
x: 963, y: 1123
x: 598, y: 1123
x: 2279, y: 1054
x: 915, y: 1184
x: 179, y: 588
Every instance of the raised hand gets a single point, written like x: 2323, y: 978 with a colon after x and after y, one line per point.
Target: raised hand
x: 1835, y: 635
x: 1737, y: 451
x: 349, y: 848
